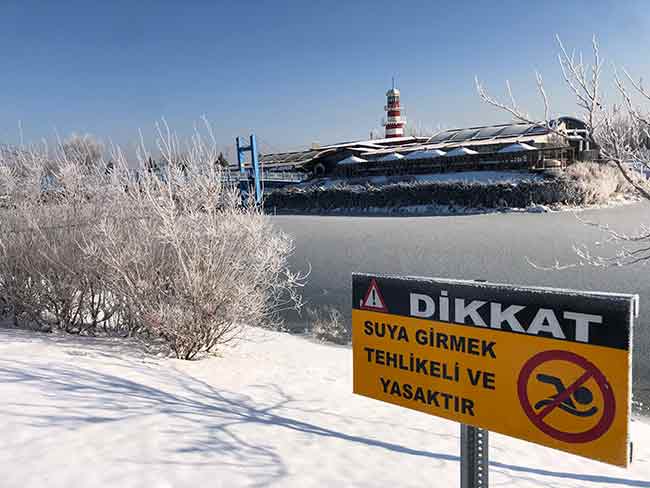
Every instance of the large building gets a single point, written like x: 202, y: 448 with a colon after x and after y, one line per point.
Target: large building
x: 504, y: 146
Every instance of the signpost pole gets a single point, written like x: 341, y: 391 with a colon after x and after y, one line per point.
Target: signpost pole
x: 474, y: 449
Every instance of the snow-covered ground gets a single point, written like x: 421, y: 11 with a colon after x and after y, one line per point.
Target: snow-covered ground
x: 484, y: 177
x: 277, y: 410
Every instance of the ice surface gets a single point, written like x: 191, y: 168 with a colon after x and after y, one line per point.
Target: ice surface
x: 498, y: 247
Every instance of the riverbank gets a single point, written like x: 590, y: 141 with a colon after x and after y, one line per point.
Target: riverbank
x: 452, y: 193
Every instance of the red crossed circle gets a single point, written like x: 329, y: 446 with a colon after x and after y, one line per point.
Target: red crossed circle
x: 590, y: 371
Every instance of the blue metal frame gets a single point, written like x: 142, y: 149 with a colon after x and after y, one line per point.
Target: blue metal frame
x: 244, y: 179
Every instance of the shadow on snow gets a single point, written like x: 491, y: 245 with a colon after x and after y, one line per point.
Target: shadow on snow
x: 207, y: 419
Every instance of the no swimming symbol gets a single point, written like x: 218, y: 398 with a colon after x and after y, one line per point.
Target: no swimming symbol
x: 575, y: 400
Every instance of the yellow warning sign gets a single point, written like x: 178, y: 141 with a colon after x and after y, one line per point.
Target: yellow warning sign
x: 482, y: 356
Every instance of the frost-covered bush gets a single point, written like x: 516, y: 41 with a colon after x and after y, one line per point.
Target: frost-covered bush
x: 54, y: 284
x: 194, y: 266
x: 49, y: 206
x: 168, y: 255
x: 83, y: 151
x: 327, y: 325
x: 597, y: 182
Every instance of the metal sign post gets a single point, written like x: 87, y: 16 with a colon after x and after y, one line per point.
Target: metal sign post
x: 474, y: 457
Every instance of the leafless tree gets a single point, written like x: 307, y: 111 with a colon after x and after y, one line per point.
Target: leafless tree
x: 619, y: 128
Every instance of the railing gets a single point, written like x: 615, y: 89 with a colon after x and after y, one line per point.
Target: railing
x: 288, y: 176
x: 284, y: 176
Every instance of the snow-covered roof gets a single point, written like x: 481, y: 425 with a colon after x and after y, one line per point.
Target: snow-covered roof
x: 425, y: 154
x: 375, y: 142
x: 517, y: 147
x: 447, y: 146
x: 391, y: 157
x: 461, y: 151
x: 352, y: 160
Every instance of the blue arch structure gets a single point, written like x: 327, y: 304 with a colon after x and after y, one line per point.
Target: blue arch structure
x: 244, y: 177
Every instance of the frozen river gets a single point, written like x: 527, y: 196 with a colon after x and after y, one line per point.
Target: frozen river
x: 493, y: 247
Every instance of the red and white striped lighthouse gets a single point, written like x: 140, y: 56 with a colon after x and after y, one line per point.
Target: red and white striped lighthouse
x: 394, y: 123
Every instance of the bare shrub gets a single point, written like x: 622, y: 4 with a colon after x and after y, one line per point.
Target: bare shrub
x: 598, y: 182
x: 50, y: 205
x: 169, y: 255
x: 327, y: 325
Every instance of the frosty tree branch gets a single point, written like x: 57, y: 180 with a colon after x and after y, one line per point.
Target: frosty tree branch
x: 622, y: 133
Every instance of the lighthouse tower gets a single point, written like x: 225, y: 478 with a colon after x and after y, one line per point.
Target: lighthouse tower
x: 394, y: 123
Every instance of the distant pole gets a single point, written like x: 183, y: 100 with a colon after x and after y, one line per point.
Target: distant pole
x: 240, y: 157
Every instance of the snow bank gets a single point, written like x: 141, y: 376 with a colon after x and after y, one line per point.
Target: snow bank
x: 484, y: 177
x: 275, y: 411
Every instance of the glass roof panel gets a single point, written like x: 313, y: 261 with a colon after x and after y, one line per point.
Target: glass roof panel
x: 488, y: 132
x: 515, y: 130
x: 537, y: 130
x: 464, y: 135
x: 442, y: 137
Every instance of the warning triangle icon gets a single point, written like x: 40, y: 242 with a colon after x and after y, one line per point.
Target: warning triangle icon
x: 374, y: 300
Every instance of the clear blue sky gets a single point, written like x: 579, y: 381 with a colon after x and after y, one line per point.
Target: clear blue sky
x: 293, y: 72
